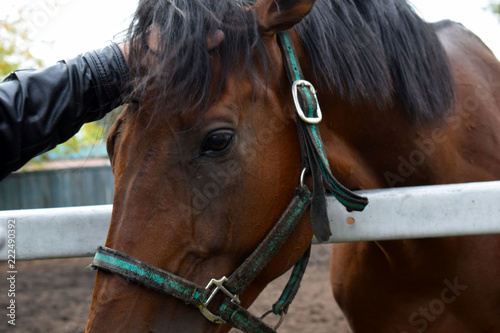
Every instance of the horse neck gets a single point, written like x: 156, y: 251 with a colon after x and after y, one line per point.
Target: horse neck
x: 361, y: 140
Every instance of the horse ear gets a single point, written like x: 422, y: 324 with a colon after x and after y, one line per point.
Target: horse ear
x: 215, y: 38
x: 274, y: 16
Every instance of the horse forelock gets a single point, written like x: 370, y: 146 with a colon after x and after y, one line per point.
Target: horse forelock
x: 370, y: 50
x: 183, y: 75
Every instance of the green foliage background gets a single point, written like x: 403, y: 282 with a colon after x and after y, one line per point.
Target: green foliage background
x: 495, y: 7
x: 15, y: 42
x: 13, y: 49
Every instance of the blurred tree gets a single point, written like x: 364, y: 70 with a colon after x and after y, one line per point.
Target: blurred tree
x: 495, y: 7
x: 14, y: 50
x: 15, y: 53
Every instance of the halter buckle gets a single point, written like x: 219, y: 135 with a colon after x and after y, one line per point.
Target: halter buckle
x: 300, y: 112
x: 219, y: 285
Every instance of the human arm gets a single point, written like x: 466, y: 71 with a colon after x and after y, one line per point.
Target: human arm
x: 40, y: 109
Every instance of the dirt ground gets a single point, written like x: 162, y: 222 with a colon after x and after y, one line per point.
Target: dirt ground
x: 53, y: 296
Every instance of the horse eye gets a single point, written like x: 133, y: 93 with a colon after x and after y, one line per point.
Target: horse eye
x: 217, y: 142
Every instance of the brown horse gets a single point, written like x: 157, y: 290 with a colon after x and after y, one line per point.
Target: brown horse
x: 206, y: 157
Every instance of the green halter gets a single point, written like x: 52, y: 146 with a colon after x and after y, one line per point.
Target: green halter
x: 313, y: 160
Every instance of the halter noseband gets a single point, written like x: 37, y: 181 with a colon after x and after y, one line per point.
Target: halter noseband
x: 313, y: 160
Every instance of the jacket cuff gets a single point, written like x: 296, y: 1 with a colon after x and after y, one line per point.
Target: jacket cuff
x: 111, y: 74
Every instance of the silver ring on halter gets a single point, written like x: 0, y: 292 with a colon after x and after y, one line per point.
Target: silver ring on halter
x: 282, y: 318
x: 302, y: 175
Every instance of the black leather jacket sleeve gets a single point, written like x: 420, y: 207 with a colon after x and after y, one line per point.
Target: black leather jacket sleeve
x: 42, y: 108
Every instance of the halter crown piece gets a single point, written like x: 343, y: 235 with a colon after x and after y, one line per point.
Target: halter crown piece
x: 313, y: 160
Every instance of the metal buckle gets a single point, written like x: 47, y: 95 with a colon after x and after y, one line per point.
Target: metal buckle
x: 282, y: 318
x: 300, y: 112
x: 219, y: 285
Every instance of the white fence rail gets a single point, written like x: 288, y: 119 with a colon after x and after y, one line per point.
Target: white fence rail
x: 403, y: 213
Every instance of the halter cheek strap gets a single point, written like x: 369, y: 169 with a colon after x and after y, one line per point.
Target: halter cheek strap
x: 313, y: 152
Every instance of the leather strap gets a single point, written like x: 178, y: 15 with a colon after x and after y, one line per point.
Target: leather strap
x: 293, y: 285
x: 313, y: 152
x: 273, y: 242
x: 149, y: 276
x: 242, y: 319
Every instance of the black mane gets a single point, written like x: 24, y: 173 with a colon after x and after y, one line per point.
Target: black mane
x: 371, y: 49
x: 376, y: 49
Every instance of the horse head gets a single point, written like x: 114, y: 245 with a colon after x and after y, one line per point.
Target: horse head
x: 206, y: 157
